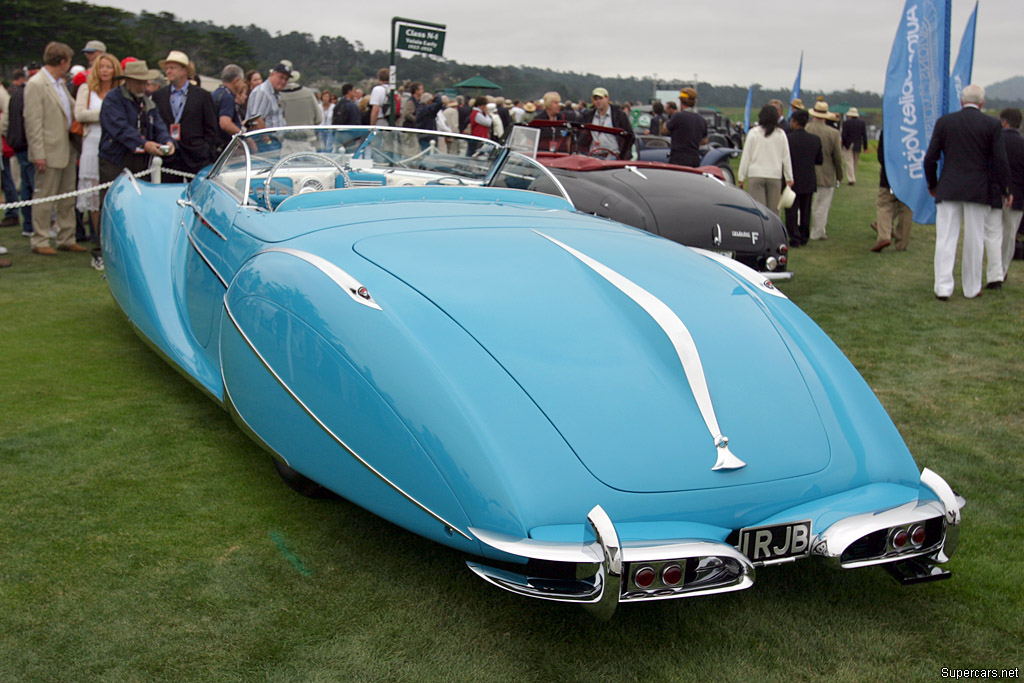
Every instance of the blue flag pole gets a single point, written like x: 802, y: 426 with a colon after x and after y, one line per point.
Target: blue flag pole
x: 915, y: 96
x: 746, y: 112
x: 796, y: 84
x: 964, y: 65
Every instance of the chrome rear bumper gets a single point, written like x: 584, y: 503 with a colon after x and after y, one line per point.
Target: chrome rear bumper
x: 599, y: 567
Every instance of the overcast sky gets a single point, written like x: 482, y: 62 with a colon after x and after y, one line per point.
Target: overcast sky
x: 845, y: 43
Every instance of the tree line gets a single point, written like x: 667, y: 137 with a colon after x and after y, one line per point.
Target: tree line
x: 324, y: 63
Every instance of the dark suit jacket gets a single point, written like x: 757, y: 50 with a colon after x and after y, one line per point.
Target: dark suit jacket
x: 619, y: 120
x: 200, y: 130
x: 855, y: 134
x: 805, y: 153
x: 971, y: 144
x: 1014, y: 143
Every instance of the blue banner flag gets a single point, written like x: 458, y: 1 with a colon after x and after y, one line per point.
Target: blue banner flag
x: 961, y: 74
x: 796, y: 84
x: 916, y: 83
x: 746, y: 112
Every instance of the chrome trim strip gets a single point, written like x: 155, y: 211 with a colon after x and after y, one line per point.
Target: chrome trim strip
x: 203, y: 256
x: 681, y: 340
x: 762, y: 281
x: 335, y: 437
x: 195, y: 209
x: 349, y: 284
x: 135, y: 182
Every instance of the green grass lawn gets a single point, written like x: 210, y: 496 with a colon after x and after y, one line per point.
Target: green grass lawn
x: 144, y: 537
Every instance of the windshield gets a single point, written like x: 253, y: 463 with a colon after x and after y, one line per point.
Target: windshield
x: 265, y: 167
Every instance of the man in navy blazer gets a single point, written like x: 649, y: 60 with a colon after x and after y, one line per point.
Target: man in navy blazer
x: 805, y: 153
x: 970, y: 143
x: 1012, y: 212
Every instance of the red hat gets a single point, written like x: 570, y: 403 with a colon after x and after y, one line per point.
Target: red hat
x: 79, y: 78
x: 126, y: 60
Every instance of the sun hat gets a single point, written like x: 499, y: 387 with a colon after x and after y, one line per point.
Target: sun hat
x: 853, y: 112
x: 599, y: 92
x: 177, y: 57
x: 820, y: 110
x: 95, y: 46
x: 796, y: 103
x: 787, y: 198
x: 139, y: 71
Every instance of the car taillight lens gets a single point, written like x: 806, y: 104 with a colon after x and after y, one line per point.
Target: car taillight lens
x: 917, y: 535
x: 644, y: 577
x: 672, y: 575
x: 900, y: 538
x: 783, y: 248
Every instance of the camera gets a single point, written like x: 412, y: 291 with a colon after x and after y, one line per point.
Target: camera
x: 165, y: 149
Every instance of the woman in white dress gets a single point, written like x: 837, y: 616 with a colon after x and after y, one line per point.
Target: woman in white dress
x: 87, y: 112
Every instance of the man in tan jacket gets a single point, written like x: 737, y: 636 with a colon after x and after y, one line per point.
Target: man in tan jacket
x: 829, y: 172
x: 48, y: 118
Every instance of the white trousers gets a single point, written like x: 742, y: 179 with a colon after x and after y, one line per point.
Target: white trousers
x: 819, y: 212
x: 1011, y: 221
x: 982, y: 233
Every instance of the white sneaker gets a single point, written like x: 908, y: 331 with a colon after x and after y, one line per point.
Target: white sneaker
x: 3, y: 250
x: 97, y: 262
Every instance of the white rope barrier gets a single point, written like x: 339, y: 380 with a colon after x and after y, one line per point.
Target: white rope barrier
x: 75, y: 193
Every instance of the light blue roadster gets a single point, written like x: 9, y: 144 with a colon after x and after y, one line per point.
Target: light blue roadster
x: 424, y: 325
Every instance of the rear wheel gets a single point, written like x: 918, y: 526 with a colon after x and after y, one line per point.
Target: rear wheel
x: 299, y: 483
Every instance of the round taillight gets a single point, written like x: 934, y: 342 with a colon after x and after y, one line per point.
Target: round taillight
x: 782, y: 260
x: 917, y: 535
x: 644, y: 577
x: 672, y: 575
x: 900, y: 538
x: 783, y: 248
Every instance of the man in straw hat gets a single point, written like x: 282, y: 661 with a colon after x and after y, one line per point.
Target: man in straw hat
x: 855, y: 139
x: 829, y: 172
x: 688, y: 129
x: 132, y: 131
x: 188, y: 112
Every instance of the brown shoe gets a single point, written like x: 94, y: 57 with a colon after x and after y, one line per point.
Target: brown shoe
x: 880, y: 245
x: 9, y: 221
x: 5, y: 263
x: 44, y: 251
x: 77, y: 248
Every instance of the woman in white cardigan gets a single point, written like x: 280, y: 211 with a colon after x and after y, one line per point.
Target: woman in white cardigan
x: 765, y: 161
x: 87, y: 112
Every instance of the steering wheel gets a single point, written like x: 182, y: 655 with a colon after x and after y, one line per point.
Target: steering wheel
x: 603, y: 153
x: 316, y: 156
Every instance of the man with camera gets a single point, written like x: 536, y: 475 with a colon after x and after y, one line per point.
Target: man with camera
x: 132, y: 130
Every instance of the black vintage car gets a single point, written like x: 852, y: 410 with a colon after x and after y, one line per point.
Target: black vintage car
x: 692, y: 206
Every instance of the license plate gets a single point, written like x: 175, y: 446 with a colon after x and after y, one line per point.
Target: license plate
x: 776, y: 542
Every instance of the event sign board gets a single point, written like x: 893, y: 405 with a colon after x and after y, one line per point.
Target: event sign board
x: 420, y: 38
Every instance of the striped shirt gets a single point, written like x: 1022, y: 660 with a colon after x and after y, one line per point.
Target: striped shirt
x: 263, y: 101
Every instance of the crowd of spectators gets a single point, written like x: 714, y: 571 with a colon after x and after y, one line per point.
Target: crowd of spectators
x: 67, y: 127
